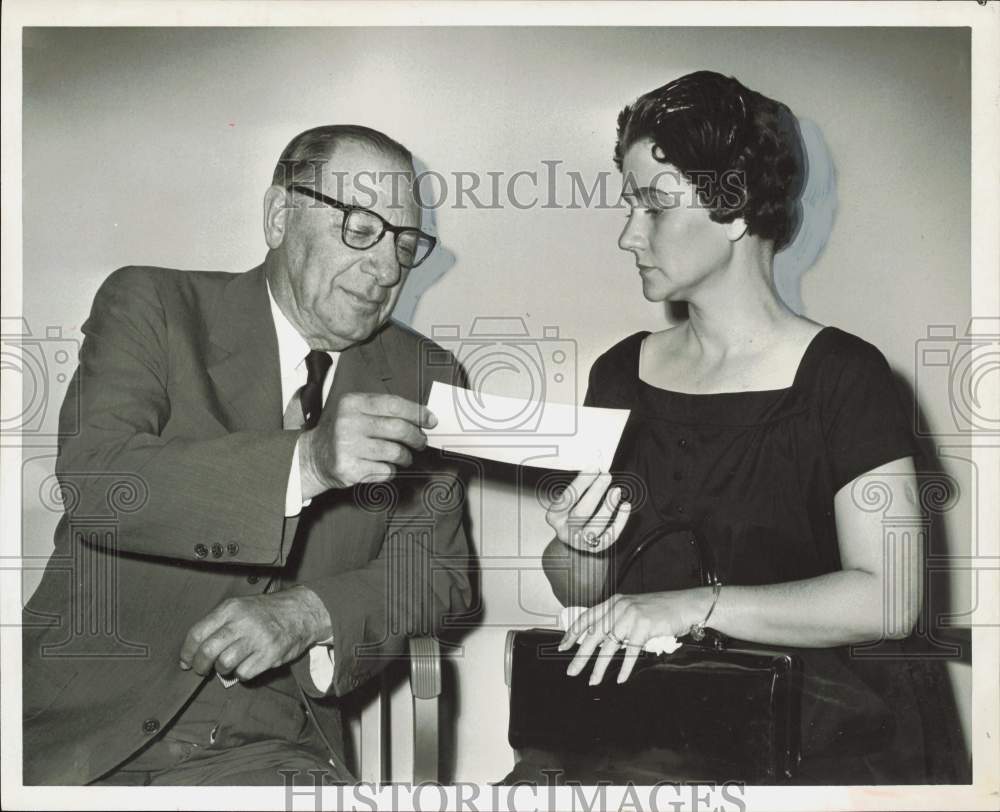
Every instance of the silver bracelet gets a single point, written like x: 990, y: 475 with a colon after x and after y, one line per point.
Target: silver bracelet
x: 697, y: 630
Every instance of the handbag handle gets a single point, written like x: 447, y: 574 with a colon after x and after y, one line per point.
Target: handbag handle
x: 706, y: 558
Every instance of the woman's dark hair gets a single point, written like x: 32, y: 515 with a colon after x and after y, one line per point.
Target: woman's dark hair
x: 741, y: 150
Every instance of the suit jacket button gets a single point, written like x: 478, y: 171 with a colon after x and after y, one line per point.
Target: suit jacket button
x: 150, y: 725
x: 200, y: 550
x: 217, y: 550
x: 252, y: 579
x: 232, y: 548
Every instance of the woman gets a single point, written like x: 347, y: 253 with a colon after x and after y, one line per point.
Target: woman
x: 755, y: 426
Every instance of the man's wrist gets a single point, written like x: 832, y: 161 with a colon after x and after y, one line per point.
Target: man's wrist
x: 311, y: 484
x: 318, y: 617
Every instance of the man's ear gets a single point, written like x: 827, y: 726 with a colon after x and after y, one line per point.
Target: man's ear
x: 277, y: 205
x: 736, y: 229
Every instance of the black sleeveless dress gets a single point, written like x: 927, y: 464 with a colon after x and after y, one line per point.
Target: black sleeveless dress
x: 755, y: 473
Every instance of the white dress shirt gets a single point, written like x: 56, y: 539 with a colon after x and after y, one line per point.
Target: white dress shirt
x: 292, y: 351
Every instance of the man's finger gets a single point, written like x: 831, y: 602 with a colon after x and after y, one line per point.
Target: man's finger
x: 204, y: 658
x: 196, y: 635
x: 396, y: 406
x: 253, y: 666
x: 231, y: 657
x: 396, y: 429
x: 388, y: 451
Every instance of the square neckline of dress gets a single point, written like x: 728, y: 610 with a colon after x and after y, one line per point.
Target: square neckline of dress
x: 796, y: 380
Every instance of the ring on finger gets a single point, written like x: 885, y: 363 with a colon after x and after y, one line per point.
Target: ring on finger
x: 615, y: 639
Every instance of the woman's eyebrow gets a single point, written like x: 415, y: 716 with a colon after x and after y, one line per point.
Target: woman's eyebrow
x: 649, y: 196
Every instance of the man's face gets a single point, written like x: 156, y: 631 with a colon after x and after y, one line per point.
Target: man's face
x: 341, y: 295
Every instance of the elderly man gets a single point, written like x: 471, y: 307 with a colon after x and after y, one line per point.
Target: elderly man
x: 258, y: 573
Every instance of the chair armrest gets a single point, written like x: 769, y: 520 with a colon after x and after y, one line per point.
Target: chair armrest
x: 425, y: 685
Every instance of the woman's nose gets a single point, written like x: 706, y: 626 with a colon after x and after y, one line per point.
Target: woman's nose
x: 632, y: 237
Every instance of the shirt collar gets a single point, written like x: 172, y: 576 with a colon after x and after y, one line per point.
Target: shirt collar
x: 292, y: 347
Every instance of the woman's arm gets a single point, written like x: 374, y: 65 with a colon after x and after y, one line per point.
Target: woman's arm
x: 587, y: 519
x: 877, y: 594
x: 577, y: 578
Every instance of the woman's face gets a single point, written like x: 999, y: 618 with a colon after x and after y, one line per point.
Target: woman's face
x: 677, y: 248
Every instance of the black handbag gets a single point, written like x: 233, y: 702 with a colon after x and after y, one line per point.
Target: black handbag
x: 713, y: 710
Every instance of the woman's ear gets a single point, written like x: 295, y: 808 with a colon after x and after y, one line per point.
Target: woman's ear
x: 277, y: 202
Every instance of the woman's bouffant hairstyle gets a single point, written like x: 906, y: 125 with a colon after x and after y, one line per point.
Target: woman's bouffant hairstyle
x: 741, y: 150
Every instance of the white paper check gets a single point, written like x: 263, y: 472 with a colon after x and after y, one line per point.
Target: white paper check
x: 524, y: 432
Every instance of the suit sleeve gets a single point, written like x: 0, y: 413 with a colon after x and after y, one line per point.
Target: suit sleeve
x: 220, y: 499
x: 418, y: 580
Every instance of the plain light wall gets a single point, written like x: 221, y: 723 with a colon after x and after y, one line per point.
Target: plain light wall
x: 154, y: 146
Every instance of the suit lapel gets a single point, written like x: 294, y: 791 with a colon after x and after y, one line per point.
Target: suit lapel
x: 361, y: 368
x: 244, y: 355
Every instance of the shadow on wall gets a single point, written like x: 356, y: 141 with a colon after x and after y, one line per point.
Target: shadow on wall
x: 940, y: 635
x: 819, y: 209
x: 424, y: 277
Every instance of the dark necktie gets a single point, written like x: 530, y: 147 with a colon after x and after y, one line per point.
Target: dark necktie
x: 311, y: 394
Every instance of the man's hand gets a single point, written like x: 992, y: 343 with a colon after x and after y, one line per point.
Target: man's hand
x: 248, y: 636
x: 364, y: 439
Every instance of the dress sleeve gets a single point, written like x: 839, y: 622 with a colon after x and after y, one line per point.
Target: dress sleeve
x: 864, y: 424
x: 613, y: 375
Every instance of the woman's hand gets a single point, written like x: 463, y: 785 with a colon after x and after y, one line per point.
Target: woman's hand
x: 630, y: 621
x: 583, y: 519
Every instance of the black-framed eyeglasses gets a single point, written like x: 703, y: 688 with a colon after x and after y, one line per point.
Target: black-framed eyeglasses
x: 362, y: 228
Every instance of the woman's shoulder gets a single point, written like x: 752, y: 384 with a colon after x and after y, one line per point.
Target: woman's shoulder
x: 614, y: 374
x: 622, y: 356
x: 851, y: 377
x: 840, y: 356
